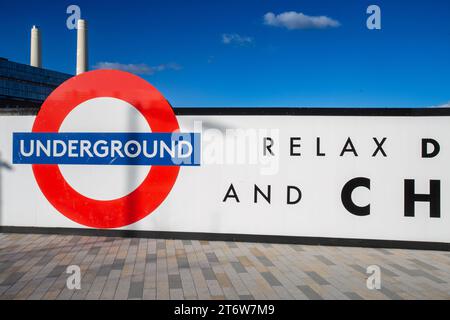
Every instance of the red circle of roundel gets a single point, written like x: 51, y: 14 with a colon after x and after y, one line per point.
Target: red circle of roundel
x: 160, y: 179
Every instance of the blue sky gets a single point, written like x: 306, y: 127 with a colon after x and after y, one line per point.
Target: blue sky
x: 224, y: 53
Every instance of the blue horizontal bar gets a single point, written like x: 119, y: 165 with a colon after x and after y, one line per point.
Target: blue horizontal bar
x: 112, y: 148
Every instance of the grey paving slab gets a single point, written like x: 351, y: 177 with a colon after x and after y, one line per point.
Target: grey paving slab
x: 271, y: 279
x: 390, y: 294
x: 183, y: 262
x: 310, y: 293
x: 238, y: 267
x: 175, y: 281
x: 136, y: 290
x: 325, y: 260
x: 212, y: 258
x: 265, y: 261
x: 353, y: 296
x: 208, y: 274
x: 424, y: 264
x: 57, y: 271
x: 12, y: 278
x: 317, y: 278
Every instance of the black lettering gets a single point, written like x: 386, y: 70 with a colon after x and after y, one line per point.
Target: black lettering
x: 436, y: 148
x: 348, y: 147
x: 319, y: 154
x: 265, y: 196
x: 231, y: 193
x: 268, y: 146
x: 293, y: 145
x: 379, y: 146
x: 346, y: 196
x: 299, y: 195
x: 434, y: 198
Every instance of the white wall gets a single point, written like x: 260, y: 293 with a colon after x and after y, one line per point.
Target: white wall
x: 195, y: 202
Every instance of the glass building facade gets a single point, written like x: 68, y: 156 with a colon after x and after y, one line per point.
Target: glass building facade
x: 22, y: 85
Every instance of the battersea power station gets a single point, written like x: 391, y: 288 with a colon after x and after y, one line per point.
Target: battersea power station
x: 25, y: 87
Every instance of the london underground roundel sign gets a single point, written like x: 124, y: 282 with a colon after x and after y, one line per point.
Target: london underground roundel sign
x: 165, y: 149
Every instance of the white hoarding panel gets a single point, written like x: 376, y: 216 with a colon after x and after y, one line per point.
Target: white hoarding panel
x: 362, y: 177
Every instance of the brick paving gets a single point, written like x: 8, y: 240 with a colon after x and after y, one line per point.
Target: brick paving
x: 34, y: 267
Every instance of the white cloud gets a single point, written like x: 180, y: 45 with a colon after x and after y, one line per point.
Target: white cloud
x: 140, y: 68
x: 293, y: 20
x: 445, y: 105
x: 234, y: 38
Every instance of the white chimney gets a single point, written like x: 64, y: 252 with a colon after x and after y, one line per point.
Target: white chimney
x: 82, y: 46
x: 35, y: 52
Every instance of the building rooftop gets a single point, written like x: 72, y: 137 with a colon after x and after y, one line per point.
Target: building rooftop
x: 24, y: 86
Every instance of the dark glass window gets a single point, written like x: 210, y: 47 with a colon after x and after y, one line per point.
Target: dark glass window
x: 20, y: 81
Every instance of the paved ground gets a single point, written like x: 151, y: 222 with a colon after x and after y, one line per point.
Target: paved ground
x: 34, y: 267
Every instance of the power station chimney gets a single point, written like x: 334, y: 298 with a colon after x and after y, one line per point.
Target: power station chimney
x: 82, y: 46
x: 35, y: 50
